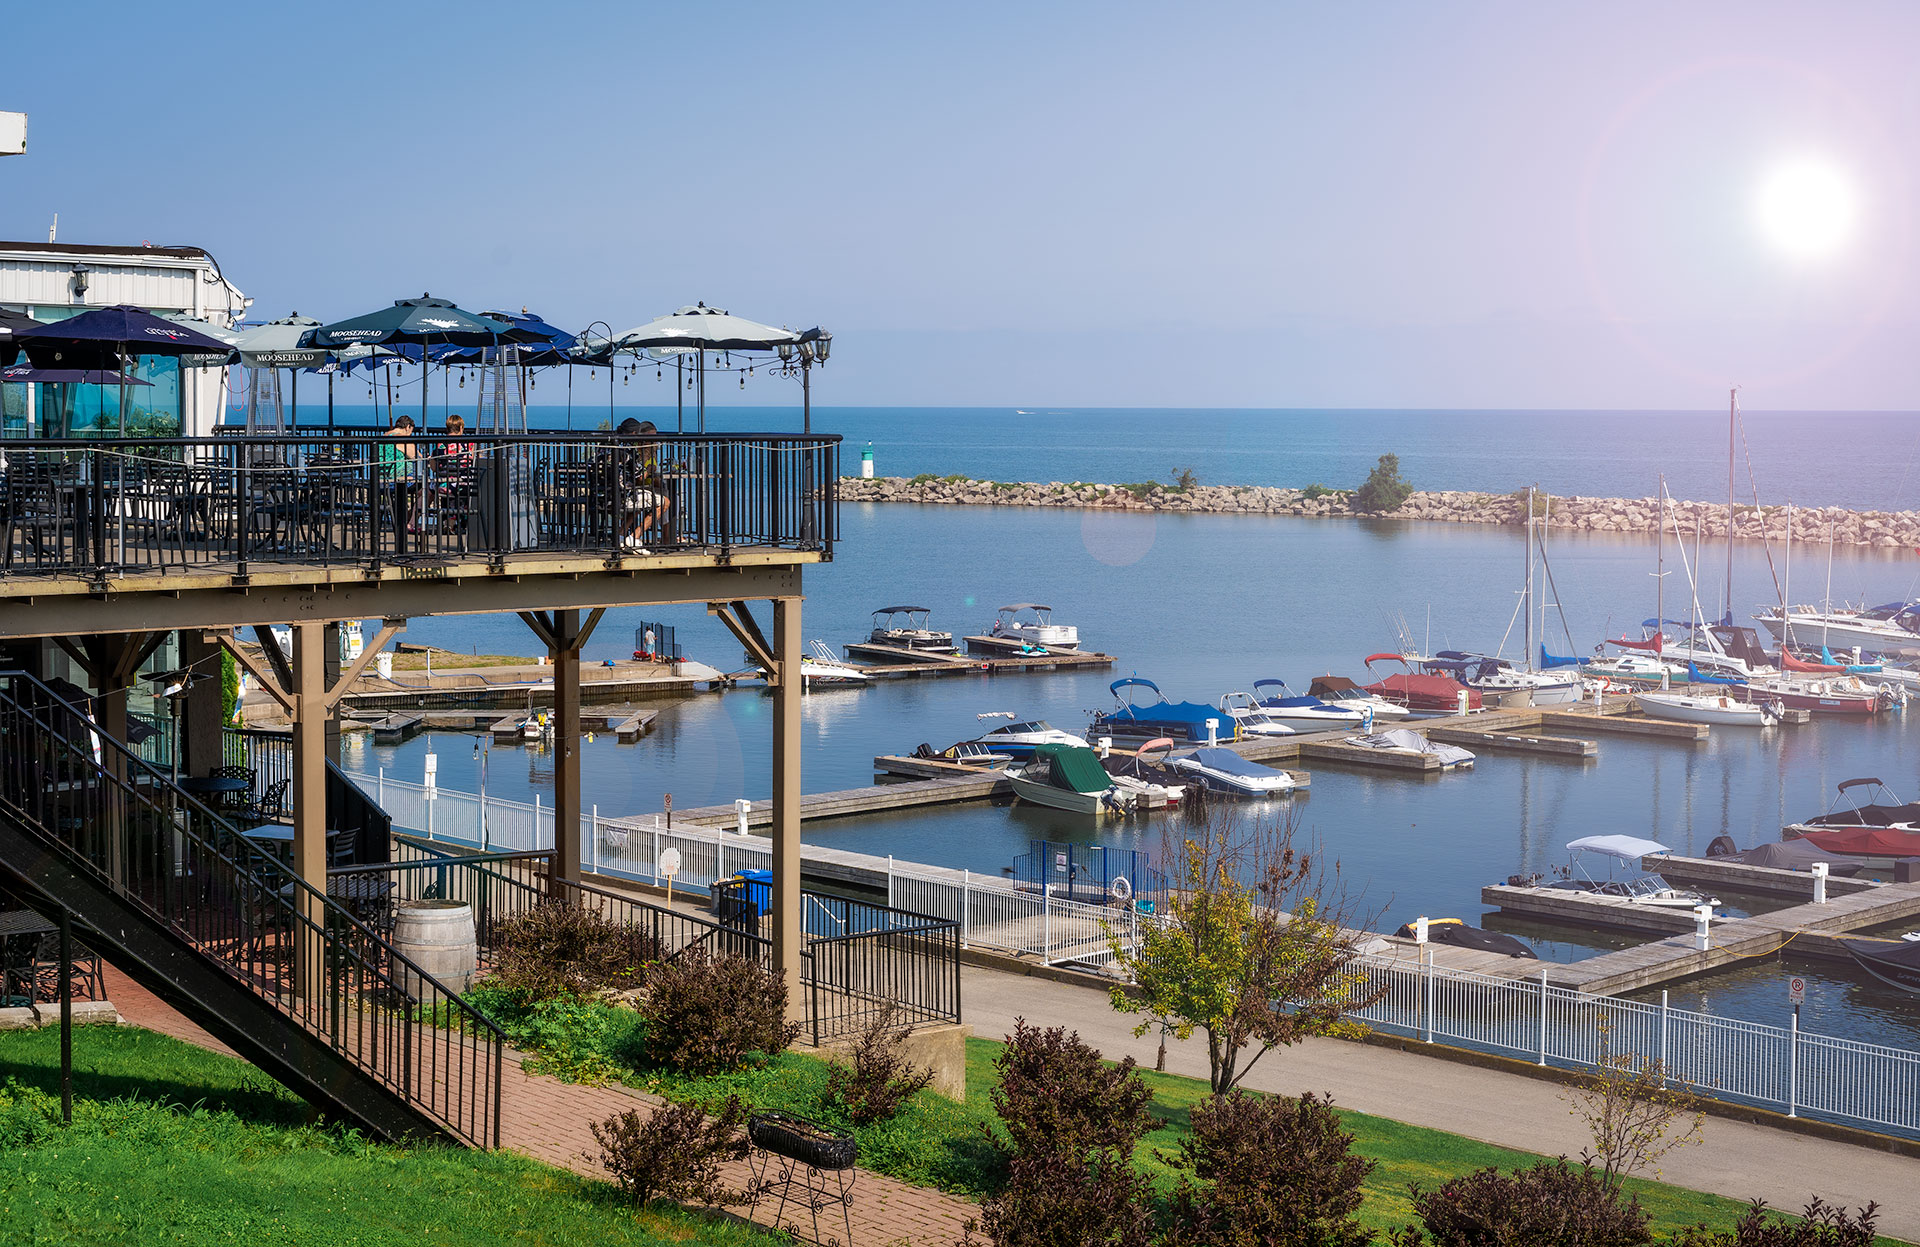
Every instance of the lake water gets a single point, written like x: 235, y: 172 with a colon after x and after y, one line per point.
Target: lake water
x: 1208, y: 604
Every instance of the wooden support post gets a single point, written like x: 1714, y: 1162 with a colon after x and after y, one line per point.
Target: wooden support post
x: 311, y: 709
x: 201, y: 730
x: 566, y: 745
x: 787, y: 937
x: 330, y: 664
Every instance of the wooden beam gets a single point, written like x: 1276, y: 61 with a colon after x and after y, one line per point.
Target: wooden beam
x: 749, y: 635
x: 542, y: 624
x: 389, y: 629
x: 282, y: 667
x: 265, y: 678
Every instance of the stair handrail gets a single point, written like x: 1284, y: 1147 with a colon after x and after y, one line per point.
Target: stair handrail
x: 269, y: 880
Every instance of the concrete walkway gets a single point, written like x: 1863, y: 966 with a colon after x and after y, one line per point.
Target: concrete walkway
x: 1736, y: 1159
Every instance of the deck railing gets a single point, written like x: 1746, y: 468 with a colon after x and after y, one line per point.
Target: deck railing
x: 113, y: 507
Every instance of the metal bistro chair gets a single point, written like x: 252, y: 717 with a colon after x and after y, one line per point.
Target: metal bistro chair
x: 33, y: 963
x: 270, y: 807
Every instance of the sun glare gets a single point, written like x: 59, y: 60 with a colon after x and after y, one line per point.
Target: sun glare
x: 1806, y: 209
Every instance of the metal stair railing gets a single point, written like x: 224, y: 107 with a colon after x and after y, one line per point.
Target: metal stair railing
x: 335, y: 986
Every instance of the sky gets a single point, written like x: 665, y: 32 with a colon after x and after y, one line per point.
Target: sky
x: 1629, y: 205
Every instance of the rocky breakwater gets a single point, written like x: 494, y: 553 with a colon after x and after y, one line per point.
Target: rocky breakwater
x: 1887, y: 530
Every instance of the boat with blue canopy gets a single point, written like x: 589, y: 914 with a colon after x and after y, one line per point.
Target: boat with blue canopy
x: 1308, y: 713
x: 1184, y: 721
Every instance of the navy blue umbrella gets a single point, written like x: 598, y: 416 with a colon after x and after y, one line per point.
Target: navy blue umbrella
x: 27, y: 374
x: 105, y: 337
x: 10, y: 324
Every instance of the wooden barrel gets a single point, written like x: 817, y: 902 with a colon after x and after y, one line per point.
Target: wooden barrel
x: 436, y: 936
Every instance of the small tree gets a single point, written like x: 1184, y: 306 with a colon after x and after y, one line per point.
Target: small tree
x: 1634, y: 1116
x: 1549, y: 1203
x: 674, y: 1153
x: 1384, y: 490
x: 878, y: 1078
x: 1272, y: 1172
x: 1255, y: 950
x: 711, y: 1015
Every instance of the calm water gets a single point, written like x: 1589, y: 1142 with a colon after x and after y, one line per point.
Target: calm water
x: 1595, y: 453
x: 1208, y: 604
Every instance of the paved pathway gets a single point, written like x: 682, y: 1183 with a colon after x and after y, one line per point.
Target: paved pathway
x: 1736, y: 1159
x: 549, y: 1120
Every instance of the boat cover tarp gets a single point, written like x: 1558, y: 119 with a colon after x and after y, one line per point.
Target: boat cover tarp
x: 1191, y: 716
x: 1903, y: 956
x: 1653, y: 644
x: 1872, y: 815
x: 1626, y: 848
x: 1867, y: 842
x: 1697, y: 676
x: 1789, y: 663
x: 1332, y: 686
x: 1074, y: 768
x: 1408, y: 739
x: 1460, y: 935
x: 1550, y: 661
x: 1425, y: 692
x: 1791, y: 855
x: 1231, y: 763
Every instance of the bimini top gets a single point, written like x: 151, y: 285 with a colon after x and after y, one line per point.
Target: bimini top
x: 1230, y: 763
x: 1626, y: 848
x: 1024, y: 606
x: 904, y: 610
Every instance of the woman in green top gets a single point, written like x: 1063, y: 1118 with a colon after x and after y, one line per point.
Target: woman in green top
x: 394, y: 463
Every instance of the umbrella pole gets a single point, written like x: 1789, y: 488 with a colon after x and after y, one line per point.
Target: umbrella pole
x: 329, y: 402
x: 679, y: 398
x: 569, y: 398
x: 120, y: 469
x: 701, y: 383
x: 295, y: 422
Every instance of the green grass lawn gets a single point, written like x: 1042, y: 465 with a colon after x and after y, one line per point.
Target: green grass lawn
x: 174, y: 1145
x: 935, y: 1142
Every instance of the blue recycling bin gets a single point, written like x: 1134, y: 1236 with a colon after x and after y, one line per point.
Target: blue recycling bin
x: 759, y: 888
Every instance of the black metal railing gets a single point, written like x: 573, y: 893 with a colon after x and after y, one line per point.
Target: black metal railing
x: 320, y: 961
x: 862, y: 957
x: 268, y: 757
x: 109, y: 507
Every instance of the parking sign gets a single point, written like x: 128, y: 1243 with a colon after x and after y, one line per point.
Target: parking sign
x: 1796, y: 990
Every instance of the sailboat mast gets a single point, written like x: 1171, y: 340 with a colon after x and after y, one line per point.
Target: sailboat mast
x: 1786, y: 588
x: 1660, y: 573
x: 1528, y: 604
x: 1733, y: 414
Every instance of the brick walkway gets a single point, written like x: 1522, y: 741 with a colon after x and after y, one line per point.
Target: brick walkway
x: 548, y: 1120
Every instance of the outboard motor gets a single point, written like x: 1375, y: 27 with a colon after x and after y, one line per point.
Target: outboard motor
x: 1722, y: 846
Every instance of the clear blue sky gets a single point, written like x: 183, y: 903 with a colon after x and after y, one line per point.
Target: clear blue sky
x: 1419, y: 205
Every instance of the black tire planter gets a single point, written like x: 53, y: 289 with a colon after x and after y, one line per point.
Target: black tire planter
x: 808, y: 1142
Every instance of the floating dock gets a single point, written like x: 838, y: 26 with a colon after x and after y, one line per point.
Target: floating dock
x: 893, y: 661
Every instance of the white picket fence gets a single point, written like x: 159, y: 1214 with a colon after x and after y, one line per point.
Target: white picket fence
x: 1798, y: 1072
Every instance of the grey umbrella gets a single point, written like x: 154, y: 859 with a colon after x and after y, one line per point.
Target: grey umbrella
x: 700, y: 329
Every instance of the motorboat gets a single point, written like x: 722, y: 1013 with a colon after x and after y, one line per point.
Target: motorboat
x: 1720, y: 711
x: 1145, y: 773
x: 1875, y: 831
x: 1892, y: 628
x: 1405, y: 739
x: 1424, y: 695
x: 1339, y: 690
x: 1500, y: 682
x: 1457, y: 934
x: 1829, y: 695
x: 1874, y: 848
x: 1797, y: 855
x: 1032, y: 623
x: 1015, y: 742
x: 1221, y: 770
x: 1309, y: 713
x: 821, y: 667
x: 1068, y: 777
x: 1250, y: 718
x: 1650, y: 890
x: 905, y: 627
x: 1634, y: 671
x: 968, y: 753
x: 1894, y: 962
x: 1184, y: 721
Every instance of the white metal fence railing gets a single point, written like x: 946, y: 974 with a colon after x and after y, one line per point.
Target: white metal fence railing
x: 1795, y: 1071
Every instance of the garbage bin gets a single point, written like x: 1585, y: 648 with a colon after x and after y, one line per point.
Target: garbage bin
x: 758, y: 888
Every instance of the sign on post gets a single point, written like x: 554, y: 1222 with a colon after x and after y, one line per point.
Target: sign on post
x: 1796, y: 991
x: 669, y: 865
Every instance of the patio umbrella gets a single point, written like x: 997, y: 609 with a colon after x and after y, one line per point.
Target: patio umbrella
x: 701, y: 329
x: 276, y: 344
x: 423, y: 322
x: 106, y: 337
x: 27, y: 374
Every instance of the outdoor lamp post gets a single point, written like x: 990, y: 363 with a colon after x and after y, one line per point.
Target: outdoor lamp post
x: 811, y: 351
x: 80, y: 272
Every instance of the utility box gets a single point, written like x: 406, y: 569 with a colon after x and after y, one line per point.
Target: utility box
x: 1906, y: 870
x: 13, y: 134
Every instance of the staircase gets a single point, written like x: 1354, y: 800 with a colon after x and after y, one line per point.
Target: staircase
x: 227, y: 933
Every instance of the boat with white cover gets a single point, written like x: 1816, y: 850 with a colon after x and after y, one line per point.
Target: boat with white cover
x: 1032, y: 623
x: 1891, y: 628
x: 1721, y: 711
x: 1450, y: 757
x: 1224, y: 771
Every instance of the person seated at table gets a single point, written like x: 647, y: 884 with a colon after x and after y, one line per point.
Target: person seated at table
x: 454, y: 474
x: 396, y: 476
x: 639, y: 487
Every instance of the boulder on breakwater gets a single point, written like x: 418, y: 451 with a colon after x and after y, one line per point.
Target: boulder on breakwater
x: 1887, y: 530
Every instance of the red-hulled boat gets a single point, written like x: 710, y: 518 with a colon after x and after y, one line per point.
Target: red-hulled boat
x: 1421, y: 694
x: 1874, y: 832
x: 1830, y: 695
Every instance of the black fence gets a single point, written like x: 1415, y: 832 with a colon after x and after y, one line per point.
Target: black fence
x: 655, y: 642
x: 266, y: 758
x: 118, y: 506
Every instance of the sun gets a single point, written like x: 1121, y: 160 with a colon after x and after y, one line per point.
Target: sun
x: 1806, y: 208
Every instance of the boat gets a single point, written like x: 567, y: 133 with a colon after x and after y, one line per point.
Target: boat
x: 1039, y: 630
x: 1797, y: 855
x: 1309, y: 713
x: 968, y: 753
x: 1339, y: 689
x: 1423, y: 694
x: 1715, y: 649
x: 1224, y: 771
x: 1894, y: 962
x: 1145, y: 773
x: 1720, y: 711
x: 1832, y: 695
x: 1250, y: 718
x: 1633, y: 670
x: 1501, y: 683
x: 1014, y: 742
x: 1876, y: 832
x: 821, y: 667
x: 1890, y: 628
x: 1067, y: 777
x: 1457, y: 934
x: 1874, y: 848
x: 1450, y: 757
x: 1648, y: 890
x: 905, y: 627
x: 1183, y: 721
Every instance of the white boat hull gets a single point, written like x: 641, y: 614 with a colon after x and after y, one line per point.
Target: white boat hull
x: 1838, y: 632
x: 1718, y: 711
x: 1092, y: 804
x: 1052, y: 636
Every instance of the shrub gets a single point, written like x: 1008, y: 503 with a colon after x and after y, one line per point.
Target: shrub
x: 1383, y: 489
x: 1551, y: 1204
x: 1820, y: 1225
x: 1054, y: 1201
x: 708, y: 1015
x: 1140, y: 489
x: 1185, y: 479
x: 574, y: 1039
x: 1056, y: 1096
x: 923, y: 478
x: 1317, y: 491
x: 1277, y: 1173
x: 674, y: 1153
x: 880, y: 1078
x: 557, y: 949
